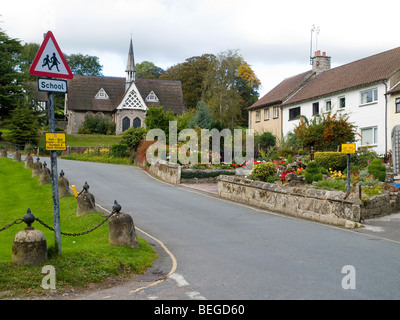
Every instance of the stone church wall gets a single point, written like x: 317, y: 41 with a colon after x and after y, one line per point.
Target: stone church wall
x: 131, y: 115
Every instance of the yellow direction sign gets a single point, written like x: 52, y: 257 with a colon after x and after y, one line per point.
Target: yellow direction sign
x: 349, y: 148
x: 55, y: 141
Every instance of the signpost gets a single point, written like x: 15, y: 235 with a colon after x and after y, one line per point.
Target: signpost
x: 348, y: 148
x: 50, y: 62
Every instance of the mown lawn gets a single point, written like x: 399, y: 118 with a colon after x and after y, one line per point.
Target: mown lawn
x: 85, y: 259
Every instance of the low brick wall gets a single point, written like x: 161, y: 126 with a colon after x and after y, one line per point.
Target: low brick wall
x: 320, y: 205
x: 167, y: 172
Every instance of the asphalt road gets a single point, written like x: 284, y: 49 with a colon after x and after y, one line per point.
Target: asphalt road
x: 216, y: 249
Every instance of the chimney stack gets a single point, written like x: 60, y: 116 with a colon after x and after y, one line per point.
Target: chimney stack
x: 320, y: 63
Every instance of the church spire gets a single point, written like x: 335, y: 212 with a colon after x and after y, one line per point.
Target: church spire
x: 130, y: 67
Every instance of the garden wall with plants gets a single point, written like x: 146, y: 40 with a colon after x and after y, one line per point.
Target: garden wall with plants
x: 320, y: 205
x: 328, y: 206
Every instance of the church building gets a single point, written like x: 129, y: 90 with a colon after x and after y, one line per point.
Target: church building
x: 124, y: 101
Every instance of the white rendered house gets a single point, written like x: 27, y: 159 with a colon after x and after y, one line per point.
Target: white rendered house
x: 360, y: 89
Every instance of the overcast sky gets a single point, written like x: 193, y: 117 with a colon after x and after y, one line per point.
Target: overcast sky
x: 274, y: 37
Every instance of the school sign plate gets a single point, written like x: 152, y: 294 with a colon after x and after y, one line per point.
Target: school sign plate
x: 52, y: 85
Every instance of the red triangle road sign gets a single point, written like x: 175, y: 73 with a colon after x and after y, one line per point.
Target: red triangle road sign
x: 49, y: 61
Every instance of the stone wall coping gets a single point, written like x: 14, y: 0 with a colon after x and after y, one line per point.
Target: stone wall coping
x: 332, y: 195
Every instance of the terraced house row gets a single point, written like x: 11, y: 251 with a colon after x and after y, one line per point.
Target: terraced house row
x: 367, y: 90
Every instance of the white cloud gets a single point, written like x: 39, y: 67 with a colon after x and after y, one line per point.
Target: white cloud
x: 272, y: 36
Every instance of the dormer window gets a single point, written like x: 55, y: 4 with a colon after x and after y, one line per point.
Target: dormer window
x: 102, y: 94
x: 151, y: 97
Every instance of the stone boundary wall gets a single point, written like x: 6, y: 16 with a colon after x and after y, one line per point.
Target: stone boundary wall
x: 81, y: 150
x: 381, y: 205
x: 320, y: 205
x: 167, y: 172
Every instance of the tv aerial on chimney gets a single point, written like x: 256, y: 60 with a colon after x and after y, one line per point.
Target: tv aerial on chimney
x: 316, y: 30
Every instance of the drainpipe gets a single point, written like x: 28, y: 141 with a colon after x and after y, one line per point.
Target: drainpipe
x: 386, y: 124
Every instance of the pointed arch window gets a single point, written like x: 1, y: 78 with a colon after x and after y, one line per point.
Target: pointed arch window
x: 137, y: 123
x: 126, y: 123
x: 152, y: 97
x: 102, y: 94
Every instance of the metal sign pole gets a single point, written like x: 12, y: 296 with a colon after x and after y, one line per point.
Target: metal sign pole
x: 54, y: 176
x: 348, y: 173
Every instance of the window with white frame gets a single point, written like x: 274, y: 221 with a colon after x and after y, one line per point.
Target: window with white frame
x: 369, y: 96
x: 258, y: 117
x: 276, y: 112
x: 397, y: 105
x: 342, y: 102
x: 328, y: 106
x: 101, y: 94
x: 266, y: 114
x: 369, y: 136
x: 152, y: 97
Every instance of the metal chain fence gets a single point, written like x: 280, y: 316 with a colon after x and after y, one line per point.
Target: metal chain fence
x: 18, y: 221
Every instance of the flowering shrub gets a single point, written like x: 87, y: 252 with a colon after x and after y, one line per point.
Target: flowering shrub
x: 283, y: 175
x: 263, y: 171
x: 337, y: 175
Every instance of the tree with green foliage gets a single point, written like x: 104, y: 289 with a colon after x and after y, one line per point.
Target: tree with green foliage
x: 84, y: 64
x: 203, y: 117
x: 229, y: 87
x: 191, y: 74
x: 11, y: 80
x: 148, y: 70
x: 157, y: 118
x: 24, y: 125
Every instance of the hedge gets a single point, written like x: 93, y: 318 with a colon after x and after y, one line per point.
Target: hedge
x: 331, y: 160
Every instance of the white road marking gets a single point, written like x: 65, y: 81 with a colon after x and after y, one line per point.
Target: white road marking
x: 180, y: 280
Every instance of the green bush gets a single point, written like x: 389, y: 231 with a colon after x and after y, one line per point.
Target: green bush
x: 312, y: 172
x: 97, y: 125
x: 377, y: 169
x: 334, y: 184
x: 263, y: 171
x: 331, y: 160
x: 119, y: 150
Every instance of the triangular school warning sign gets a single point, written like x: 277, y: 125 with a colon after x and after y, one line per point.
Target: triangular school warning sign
x: 49, y: 61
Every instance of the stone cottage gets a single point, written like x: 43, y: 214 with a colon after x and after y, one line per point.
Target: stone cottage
x: 122, y: 100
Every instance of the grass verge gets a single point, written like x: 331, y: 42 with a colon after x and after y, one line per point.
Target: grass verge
x: 84, y: 260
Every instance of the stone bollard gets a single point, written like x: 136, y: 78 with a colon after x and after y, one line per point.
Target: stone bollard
x: 37, y: 168
x: 45, y: 175
x: 63, y: 186
x: 17, y: 156
x: 122, y: 229
x: 86, y: 202
x: 28, y: 161
x: 29, y: 246
x: 3, y: 153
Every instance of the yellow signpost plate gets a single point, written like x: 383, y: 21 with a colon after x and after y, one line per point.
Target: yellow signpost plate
x: 55, y: 141
x: 349, y: 148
